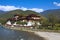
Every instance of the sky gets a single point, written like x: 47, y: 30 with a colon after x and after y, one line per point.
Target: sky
x: 34, y: 5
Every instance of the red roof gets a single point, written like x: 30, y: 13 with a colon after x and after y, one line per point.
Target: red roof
x: 29, y: 17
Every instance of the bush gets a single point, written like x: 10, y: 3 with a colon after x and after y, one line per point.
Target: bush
x: 57, y: 25
x: 19, y: 22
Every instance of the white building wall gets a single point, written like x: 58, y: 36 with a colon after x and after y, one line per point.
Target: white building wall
x: 8, y: 22
x: 15, y: 23
x: 29, y: 23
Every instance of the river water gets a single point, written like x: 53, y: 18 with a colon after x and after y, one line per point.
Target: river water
x: 7, y: 34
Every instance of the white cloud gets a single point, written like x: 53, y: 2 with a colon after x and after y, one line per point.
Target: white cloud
x: 23, y: 8
x: 56, y: 3
x: 33, y: 9
x: 9, y: 8
x: 37, y: 10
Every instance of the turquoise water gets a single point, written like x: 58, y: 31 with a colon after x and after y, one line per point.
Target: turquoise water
x: 7, y: 34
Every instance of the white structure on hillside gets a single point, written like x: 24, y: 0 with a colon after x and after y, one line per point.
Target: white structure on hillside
x: 15, y: 23
x: 30, y: 23
x: 8, y: 22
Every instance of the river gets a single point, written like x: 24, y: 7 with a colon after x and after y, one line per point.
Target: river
x: 7, y: 34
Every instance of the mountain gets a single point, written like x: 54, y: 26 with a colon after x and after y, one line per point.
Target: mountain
x: 55, y: 12
x: 2, y: 12
x: 10, y: 14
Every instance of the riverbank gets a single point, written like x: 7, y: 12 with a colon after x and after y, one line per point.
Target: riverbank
x: 10, y: 34
x: 48, y: 35
x: 31, y: 29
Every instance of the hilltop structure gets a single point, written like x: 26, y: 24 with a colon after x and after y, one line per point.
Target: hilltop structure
x: 24, y: 21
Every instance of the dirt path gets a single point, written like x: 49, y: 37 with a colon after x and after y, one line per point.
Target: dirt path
x: 49, y: 35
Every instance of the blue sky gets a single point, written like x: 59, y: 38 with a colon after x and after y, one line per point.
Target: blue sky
x: 34, y: 5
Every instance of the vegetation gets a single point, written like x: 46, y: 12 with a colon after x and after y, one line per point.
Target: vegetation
x: 53, y: 20
x: 49, y: 19
x: 19, y: 22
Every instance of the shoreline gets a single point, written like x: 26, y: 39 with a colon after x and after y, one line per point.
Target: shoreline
x: 43, y: 34
x: 32, y: 30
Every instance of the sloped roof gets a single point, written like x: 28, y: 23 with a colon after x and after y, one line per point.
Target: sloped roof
x: 29, y: 17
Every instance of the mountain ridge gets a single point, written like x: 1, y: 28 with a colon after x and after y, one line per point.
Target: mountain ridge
x: 55, y: 12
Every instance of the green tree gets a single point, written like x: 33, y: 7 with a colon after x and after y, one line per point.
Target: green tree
x: 52, y: 20
x: 44, y: 22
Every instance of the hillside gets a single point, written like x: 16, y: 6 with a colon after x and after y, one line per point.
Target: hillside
x: 55, y: 12
x: 10, y: 14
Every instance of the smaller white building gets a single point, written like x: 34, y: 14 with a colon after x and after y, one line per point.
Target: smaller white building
x: 29, y: 23
x: 8, y: 23
x: 15, y: 23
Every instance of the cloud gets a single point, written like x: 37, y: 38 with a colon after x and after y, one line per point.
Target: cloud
x: 33, y: 9
x: 9, y: 8
x: 56, y: 3
x: 37, y: 10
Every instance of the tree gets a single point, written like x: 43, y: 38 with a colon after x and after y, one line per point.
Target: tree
x: 52, y: 20
x: 44, y: 22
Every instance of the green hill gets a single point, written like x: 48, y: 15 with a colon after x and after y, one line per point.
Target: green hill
x: 52, y: 15
x: 10, y: 14
x: 55, y: 12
